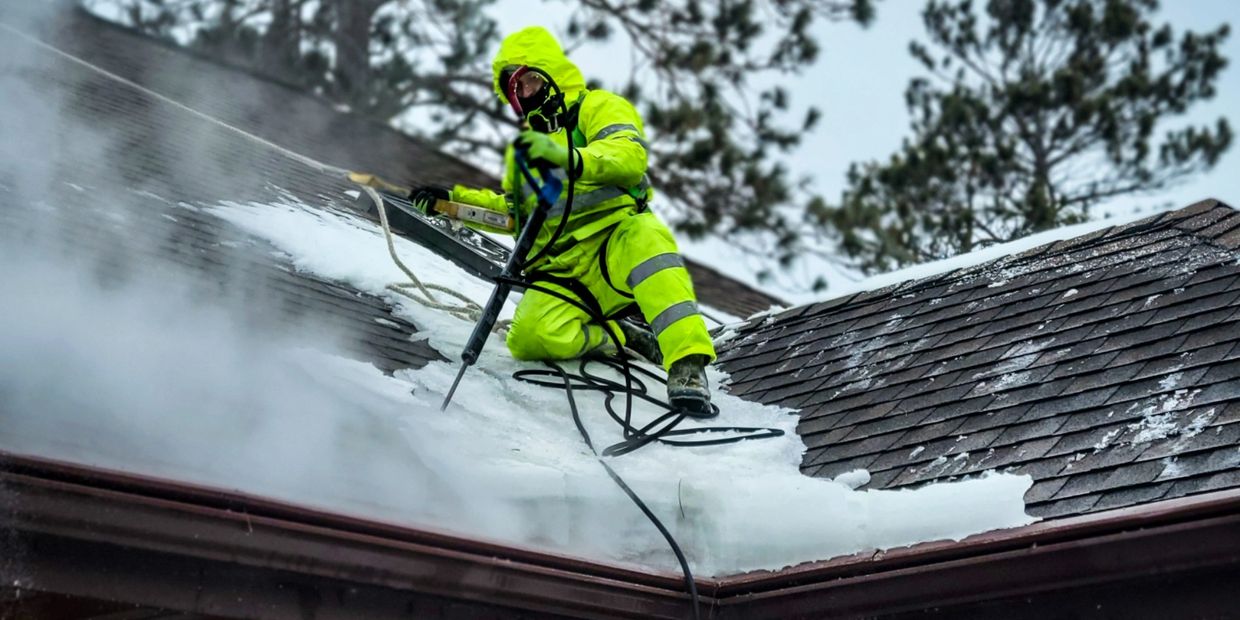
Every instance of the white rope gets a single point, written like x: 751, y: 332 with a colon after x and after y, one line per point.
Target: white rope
x: 468, y: 311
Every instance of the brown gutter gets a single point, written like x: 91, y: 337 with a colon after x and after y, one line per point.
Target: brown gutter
x: 144, y: 515
x: 1174, y: 511
x: 1165, y: 538
x: 63, y: 502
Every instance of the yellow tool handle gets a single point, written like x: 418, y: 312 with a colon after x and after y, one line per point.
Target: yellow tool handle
x: 455, y: 210
x: 470, y: 213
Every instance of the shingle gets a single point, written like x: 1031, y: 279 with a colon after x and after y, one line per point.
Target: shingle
x: 1164, y: 366
x: 931, y: 431
x: 1150, y: 333
x: 1205, y: 219
x: 881, y: 479
x: 1197, y: 208
x: 1026, y: 452
x: 1106, y: 479
x: 1224, y: 371
x: 1078, y: 364
x: 1044, y: 490
x: 783, y: 394
x: 956, y: 408
x: 956, y: 349
x: 1064, y: 507
x: 829, y: 467
x: 1030, y: 430
x: 1004, y: 386
x: 879, y: 419
x: 1230, y: 240
x: 1210, y: 451
x: 1200, y: 320
x: 1092, y: 438
x: 1147, y: 350
x: 1112, y: 455
x: 1224, y: 226
x: 1067, y: 245
x: 931, y: 391
x: 1227, y: 413
x: 1112, y: 376
x: 822, y: 435
x: 1220, y: 339
x: 997, y: 418
x: 1229, y: 479
x: 1131, y: 496
x: 1146, y: 387
x: 1040, y: 469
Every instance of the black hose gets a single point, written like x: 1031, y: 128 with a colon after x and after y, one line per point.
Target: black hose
x: 664, y: 425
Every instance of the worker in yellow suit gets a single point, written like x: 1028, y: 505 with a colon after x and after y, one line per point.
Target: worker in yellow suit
x: 612, y: 247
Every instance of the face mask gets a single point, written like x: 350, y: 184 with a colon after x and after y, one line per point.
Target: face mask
x: 528, y: 94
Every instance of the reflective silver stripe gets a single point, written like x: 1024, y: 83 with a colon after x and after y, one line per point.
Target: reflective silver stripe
x: 596, y: 197
x: 586, y: 200
x: 651, y: 266
x: 673, y: 314
x: 639, y: 141
x: 610, y: 129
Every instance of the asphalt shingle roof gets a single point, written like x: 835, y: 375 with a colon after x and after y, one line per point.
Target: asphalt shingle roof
x: 1107, y: 367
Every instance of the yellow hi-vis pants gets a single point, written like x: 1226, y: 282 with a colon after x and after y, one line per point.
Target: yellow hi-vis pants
x: 641, y: 260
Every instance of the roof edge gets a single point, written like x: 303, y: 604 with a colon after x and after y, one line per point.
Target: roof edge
x: 131, y: 515
x: 1173, y: 511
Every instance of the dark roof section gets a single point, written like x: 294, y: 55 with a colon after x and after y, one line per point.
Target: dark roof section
x: 1107, y: 367
x: 294, y: 120
x: 732, y: 296
x: 178, y: 550
x: 126, y: 171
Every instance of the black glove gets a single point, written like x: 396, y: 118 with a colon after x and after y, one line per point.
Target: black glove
x: 423, y: 198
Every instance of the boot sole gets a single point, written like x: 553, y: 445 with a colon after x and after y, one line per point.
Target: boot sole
x: 693, y: 405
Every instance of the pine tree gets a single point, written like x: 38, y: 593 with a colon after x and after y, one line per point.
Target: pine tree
x: 713, y: 136
x: 1032, y: 112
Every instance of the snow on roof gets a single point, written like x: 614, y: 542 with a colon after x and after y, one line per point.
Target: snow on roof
x: 738, y: 507
x: 1084, y: 363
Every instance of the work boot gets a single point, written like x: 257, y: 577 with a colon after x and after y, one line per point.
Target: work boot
x: 687, y: 388
x: 642, y: 341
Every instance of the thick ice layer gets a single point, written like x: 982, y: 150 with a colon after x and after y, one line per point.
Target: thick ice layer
x: 146, y: 379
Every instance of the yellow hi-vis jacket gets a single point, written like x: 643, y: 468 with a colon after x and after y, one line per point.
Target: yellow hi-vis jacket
x: 609, y: 140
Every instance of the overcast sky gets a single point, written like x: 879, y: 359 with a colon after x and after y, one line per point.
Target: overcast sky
x: 859, y: 81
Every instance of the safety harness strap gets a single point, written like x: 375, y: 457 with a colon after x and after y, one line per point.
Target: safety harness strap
x: 574, y: 286
x: 582, y: 202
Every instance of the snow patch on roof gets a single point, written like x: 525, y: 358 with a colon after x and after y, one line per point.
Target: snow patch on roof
x: 232, y: 409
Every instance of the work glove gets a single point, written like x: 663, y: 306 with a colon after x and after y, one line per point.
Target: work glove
x: 423, y: 198
x: 541, y: 146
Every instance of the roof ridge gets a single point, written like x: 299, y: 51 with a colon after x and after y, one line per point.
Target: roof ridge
x: 1153, y: 223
